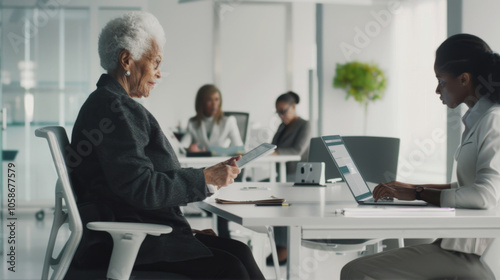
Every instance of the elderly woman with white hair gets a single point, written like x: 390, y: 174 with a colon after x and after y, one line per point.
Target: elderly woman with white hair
x: 131, y: 173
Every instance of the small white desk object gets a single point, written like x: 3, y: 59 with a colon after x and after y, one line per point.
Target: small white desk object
x: 315, y: 213
x: 270, y: 161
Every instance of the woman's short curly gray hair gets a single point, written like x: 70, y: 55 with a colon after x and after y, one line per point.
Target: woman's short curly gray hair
x: 133, y: 31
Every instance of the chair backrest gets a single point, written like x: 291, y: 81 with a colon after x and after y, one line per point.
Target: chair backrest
x: 376, y: 157
x: 58, y: 144
x: 242, y: 122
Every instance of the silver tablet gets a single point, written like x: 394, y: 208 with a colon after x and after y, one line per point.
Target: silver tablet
x: 261, y: 150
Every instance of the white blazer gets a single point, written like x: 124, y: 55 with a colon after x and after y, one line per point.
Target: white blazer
x: 224, y: 134
x: 478, y: 171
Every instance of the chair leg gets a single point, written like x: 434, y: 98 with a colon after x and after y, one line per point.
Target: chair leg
x: 274, y: 252
x: 401, y: 242
x: 214, y: 223
x: 257, y: 244
x: 243, y: 178
x: 377, y: 247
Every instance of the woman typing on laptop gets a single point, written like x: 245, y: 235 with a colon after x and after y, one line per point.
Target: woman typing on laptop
x: 468, y: 71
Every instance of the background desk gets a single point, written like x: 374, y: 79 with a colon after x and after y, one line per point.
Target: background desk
x: 313, y: 215
x: 270, y: 161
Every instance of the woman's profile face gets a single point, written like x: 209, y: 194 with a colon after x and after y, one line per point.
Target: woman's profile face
x: 286, y: 111
x: 212, y: 104
x: 145, y: 72
x: 452, y: 90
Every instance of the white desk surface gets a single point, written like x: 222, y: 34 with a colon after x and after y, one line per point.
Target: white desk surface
x: 270, y: 160
x: 312, y: 215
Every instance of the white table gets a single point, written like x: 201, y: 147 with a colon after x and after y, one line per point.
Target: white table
x: 270, y: 161
x: 313, y: 215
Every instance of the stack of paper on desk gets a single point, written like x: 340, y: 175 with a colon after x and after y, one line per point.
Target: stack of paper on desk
x: 249, y: 196
x: 390, y: 211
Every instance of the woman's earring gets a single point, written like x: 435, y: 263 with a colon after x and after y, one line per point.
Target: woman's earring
x: 127, y: 73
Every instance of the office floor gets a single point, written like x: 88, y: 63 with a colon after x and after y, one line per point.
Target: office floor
x: 31, y: 237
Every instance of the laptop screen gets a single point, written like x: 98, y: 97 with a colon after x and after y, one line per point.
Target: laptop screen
x: 346, y: 166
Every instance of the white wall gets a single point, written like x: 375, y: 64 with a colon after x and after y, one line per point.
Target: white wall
x: 481, y: 19
x: 420, y: 28
x: 188, y: 59
x: 401, y: 40
x: 343, y: 25
x: 304, y: 59
x: 253, y: 63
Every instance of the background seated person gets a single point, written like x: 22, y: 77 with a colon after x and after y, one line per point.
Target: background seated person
x: 210, y: 127
x: 291, y: 138
x: 293, y: 134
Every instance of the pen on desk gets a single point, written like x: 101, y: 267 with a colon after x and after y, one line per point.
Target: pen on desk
x: 273, y: 204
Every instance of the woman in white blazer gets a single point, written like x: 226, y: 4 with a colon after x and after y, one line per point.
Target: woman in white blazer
x: 210, y: 127
x: 468, y: 72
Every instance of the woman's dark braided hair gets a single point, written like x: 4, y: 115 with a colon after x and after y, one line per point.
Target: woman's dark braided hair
x: 290, y: 97
x: 466, y: 53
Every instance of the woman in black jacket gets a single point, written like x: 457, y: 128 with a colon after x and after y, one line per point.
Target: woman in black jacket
x: 124, y: 169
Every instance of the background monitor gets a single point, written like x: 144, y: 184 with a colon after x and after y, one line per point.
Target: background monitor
x: 376, y: 157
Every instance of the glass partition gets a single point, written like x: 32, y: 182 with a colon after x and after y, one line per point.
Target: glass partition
x: 48, y: 61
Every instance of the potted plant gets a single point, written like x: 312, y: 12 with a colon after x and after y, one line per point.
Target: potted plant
x: 365, y: 82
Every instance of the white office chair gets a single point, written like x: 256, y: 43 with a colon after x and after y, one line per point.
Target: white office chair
x: 491, y: 258
x: 127, y: 237
x: 242, y: 121
x: 270, y: 233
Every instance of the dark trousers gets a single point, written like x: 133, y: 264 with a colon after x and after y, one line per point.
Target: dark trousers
x: 231, y: 259
x: 425, y: 261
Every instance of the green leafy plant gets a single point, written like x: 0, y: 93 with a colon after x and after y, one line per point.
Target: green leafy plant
x: 364, y: 82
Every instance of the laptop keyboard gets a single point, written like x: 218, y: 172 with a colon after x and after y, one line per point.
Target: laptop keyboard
x: 380, y: 200
x: 394, y: 201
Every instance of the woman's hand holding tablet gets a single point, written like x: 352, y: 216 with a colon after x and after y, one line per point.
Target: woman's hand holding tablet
x: 261, y: 150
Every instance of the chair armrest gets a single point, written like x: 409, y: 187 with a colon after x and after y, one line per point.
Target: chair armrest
x: 119, y: 227
x: 127, y: 239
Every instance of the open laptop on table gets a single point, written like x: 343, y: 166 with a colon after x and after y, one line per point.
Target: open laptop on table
x: 349, y: 172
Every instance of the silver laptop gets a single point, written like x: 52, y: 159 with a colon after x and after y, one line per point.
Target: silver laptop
x: 353, y: 179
